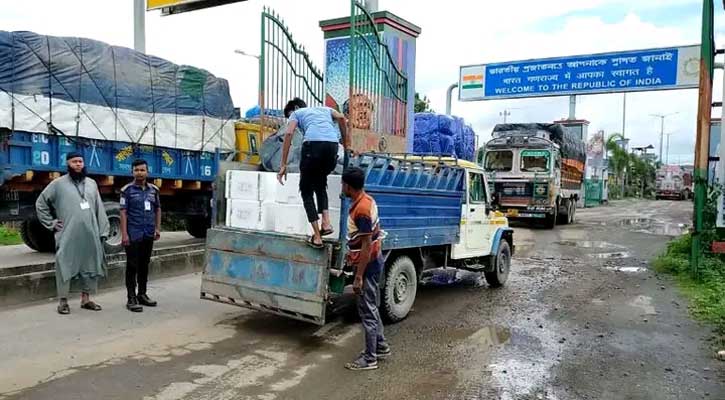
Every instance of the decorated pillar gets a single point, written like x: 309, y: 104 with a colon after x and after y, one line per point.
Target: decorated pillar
x: 373, y: 113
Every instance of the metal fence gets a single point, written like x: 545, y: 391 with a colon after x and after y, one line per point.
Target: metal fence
x: 378, y: 88
x: 285, y: 69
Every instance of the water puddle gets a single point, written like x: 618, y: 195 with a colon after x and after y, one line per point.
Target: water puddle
x: 491, y: 336
x: 616, y: 254
x: 654, y: 227
x: 589, y: 244
x: 629, y: 270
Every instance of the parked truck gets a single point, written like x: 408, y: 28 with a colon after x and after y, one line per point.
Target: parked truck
x: 113, y: 104
x: 535, y: 171
x: 673, y: 182
x: 435, y: 213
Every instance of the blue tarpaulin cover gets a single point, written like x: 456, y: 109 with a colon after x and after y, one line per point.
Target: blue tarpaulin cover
x: 443, y: 135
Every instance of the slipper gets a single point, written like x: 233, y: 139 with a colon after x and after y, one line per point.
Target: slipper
x: 89, y: 305
x: 63, y: 309
x: 313, y: 244
x: 327, y: 232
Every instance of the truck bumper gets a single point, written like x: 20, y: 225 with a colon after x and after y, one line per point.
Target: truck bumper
x: 515, y: 213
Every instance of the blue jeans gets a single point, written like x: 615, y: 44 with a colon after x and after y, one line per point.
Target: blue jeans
x: 367, y: 306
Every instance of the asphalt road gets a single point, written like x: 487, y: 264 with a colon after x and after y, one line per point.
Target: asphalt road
x: 581, y: 317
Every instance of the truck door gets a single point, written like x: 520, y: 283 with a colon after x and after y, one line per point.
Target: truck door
x: 478, y: 236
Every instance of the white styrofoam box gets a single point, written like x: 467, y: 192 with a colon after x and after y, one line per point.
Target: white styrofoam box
x: 267, y: 220
x: 334, y: 189
x: 289, y: 193
x: 268, y: 186
x: 243, y: 214
x: 335, y: 221
x: 291, y: 219
x: 242, y: 185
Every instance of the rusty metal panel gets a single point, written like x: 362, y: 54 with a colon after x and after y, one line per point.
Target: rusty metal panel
x: 265, y: 271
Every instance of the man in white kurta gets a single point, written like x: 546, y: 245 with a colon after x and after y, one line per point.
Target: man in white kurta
x: 71, y: 206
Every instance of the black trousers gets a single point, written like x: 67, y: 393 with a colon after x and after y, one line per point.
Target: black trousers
x: 138, y: 256
x: 317, y: 162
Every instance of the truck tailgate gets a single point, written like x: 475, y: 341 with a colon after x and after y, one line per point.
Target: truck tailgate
x: 267, y: 272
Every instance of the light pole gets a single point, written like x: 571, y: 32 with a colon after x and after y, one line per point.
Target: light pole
x: 662, y: 127
x: 667, y: 150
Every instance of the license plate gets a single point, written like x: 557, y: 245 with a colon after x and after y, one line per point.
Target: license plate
x: 512, y: 213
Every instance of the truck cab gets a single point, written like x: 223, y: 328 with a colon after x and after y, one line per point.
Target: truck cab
x: 528, y: 174
x: 435, y: 213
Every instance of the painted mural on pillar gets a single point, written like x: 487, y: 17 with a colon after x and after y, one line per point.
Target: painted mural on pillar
x: 378, y: 120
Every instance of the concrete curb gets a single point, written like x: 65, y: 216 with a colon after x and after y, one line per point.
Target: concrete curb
x: 37, y: 282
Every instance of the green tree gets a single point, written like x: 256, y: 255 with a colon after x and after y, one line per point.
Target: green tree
x: 638, y: 172
x: 422, y: 104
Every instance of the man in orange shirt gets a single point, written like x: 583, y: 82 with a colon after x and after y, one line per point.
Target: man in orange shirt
x: 365, y: 254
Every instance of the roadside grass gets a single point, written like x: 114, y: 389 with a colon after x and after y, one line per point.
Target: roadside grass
x: 9, y: 236
x: 707, y: 294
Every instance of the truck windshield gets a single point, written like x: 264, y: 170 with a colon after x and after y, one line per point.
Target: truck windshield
x: 499, y: 160
x: 535, y: 160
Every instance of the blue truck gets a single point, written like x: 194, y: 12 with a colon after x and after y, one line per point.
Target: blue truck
x: 114, y: 105
x: 435, y: 212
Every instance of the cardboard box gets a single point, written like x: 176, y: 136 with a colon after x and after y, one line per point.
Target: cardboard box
x: 244, y: 214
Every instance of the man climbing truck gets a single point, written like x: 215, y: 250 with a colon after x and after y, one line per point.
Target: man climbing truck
x: 535, y: 171
x: 434, y: 213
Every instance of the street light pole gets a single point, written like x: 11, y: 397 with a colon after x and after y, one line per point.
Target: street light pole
x: 662, y: 128
x: 667, y: 151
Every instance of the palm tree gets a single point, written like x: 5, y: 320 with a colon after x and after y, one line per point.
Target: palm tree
x: 618, y: 161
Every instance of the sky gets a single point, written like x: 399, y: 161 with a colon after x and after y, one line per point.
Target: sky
x: 454, y: 33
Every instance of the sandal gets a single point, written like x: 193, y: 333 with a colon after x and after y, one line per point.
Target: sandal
x: 310, y: 242
x: 63, y: 309
x: 89, y: 305
x: 327, y: 232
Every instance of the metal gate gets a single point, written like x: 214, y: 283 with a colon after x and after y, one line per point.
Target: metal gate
x: 285, y: 70
x: 593, y: 191
x: 378, y: 88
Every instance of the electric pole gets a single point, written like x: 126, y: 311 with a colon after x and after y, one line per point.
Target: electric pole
x: 662, y: 128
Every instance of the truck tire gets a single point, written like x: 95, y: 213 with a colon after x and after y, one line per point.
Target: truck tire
x: 197, y: 226
x: 550, y: 221
x: 563, y: 218
x: 501, y: 266
x: 36, y: 237
x: 113, y: 242
x: 399, y: 289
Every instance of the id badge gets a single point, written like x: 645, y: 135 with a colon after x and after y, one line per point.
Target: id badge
x: 85, y: 205
x: 147, y: 205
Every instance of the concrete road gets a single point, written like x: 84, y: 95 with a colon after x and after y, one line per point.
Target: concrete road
x: 582, y: 317
x: 20, y: 254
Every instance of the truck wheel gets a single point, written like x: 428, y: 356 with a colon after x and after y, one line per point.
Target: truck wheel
x: 113, y: 243
x: 36, y: 237
x: 501, y: 266
x: 399, y: 289
x: 572, y: 212
x: 550, y: 221
x: 197, y: 225
x: 563, y: 218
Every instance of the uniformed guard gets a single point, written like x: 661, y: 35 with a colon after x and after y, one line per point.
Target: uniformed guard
x: 140, y: 226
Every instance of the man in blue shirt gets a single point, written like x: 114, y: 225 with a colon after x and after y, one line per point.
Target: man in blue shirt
x: 140, y: 226
x: 321, y: 128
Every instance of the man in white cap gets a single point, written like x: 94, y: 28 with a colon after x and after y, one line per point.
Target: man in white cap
x: 71, y: 206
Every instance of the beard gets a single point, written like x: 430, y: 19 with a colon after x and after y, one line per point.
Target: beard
x: 77, y: 176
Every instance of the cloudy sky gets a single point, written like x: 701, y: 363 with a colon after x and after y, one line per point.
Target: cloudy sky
x: 455, y: 32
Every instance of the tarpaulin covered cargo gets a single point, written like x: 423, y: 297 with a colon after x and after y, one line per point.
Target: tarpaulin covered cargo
x: 90, y: 89
x: 444, y: 135
x: 571, y: 146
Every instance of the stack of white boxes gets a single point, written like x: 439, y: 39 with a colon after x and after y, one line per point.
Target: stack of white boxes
x: 256, y: 201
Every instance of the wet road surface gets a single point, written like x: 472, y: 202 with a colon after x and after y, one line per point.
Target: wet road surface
x: 581, y: 317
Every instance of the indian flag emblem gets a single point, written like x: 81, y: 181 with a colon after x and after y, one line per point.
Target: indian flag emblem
x: 473, y: 81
